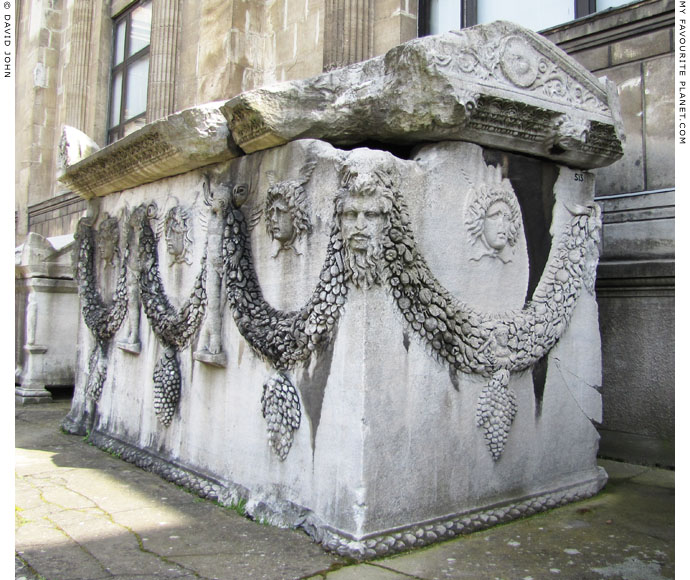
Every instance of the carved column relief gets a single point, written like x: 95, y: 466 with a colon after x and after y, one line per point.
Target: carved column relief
x: 165, y: 25
x: 131, y: 342
x: 349, y: 32
x: 78, y: 72
x: 210, y: 347
x: 31, y: 319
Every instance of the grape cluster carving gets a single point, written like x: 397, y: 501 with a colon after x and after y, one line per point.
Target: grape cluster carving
x: 456, y: 334
x: 280, y: 407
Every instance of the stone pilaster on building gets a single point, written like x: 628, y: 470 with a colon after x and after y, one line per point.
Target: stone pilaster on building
x: 163, y: 59
x: 76, y: 113
x: 348, y: 32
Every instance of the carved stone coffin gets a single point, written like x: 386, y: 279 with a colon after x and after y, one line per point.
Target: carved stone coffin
x: 384, y: 350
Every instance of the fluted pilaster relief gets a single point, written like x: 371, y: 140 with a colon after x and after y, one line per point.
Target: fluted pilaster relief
x: 76, y: 88
x: 165, y: 25
x: 349, y: 32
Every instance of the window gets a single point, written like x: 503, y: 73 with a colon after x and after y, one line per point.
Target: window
x: 437, y: 16
x: 130, y: 71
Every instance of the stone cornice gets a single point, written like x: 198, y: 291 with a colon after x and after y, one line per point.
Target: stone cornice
x: 497, y: 85
x: 636, y: 273
x: 181, y: 142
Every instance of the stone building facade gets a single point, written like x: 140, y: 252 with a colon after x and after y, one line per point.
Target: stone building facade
x: 202, y: 51
x: 634, y: 47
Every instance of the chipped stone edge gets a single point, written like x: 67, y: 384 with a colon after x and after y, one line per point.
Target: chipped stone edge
x: 267, y: 117
x: 286, y: 514
x: 183, y: 141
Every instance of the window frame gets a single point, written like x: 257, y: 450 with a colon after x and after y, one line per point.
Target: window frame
x: 468, y: 13
x: 117, y: 131
x: 585, y: 8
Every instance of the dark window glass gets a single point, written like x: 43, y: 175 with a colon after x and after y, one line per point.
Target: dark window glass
x: 437, y: 16
x: 130, y: 71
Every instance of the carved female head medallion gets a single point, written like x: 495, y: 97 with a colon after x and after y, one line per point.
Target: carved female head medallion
x: 519, y: 62
x: 177, y: 238
x: 493, y: 217
x: 287, y: 214
x: 109, y: 240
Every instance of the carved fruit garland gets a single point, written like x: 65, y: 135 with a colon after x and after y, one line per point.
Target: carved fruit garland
x: 491, y: 345
x: 172, y: 327
x: 283, y: 338
x: 101, y: 320
x: 467, y: 340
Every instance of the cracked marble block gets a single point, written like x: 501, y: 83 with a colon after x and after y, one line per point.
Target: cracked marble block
x: 384, y: 350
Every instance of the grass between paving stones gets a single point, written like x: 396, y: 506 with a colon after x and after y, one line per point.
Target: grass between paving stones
x: 29, y: 573
x: 19, y: 520
x: 239, y: 506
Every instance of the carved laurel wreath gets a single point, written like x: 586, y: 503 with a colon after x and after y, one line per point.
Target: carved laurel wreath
x: 457, y: 335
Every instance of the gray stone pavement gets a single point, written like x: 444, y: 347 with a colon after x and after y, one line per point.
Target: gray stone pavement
x: 82, y: 514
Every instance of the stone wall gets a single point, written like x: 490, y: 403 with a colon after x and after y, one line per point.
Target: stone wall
x: 395, y: 21
x: 57, y: 215
x: 219, y: 49
x: 63, y: 58
x: 39, y: 37
x: 634, y: 47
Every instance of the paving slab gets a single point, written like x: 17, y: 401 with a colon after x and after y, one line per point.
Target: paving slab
x: 82, y: 514
x: 365, y: 572
x: 627, y: 531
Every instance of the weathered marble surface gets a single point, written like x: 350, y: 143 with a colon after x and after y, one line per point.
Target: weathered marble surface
x: 384, y: 350
x: 498, y: 85
x: 386, y: 435
x: 73, y: 147
x: 182, y: 141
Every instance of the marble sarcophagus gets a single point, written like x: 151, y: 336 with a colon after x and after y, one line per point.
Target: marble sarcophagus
x: 362, y: 302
